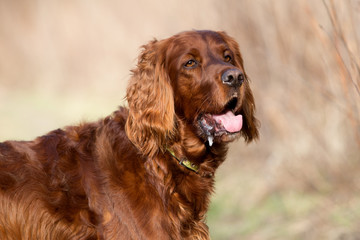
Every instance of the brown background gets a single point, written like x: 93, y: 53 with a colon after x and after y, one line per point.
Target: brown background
x: 62, y: 62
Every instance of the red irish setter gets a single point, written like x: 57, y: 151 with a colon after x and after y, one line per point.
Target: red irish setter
x: 146, y: 171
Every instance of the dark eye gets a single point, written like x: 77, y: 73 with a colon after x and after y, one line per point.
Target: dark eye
x: 190, y: 64
x: 227, y: 58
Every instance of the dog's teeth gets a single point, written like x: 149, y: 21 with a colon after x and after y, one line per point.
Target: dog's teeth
x: 210, y: 140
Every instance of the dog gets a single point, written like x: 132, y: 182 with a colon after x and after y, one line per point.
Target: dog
x: 147, y: 170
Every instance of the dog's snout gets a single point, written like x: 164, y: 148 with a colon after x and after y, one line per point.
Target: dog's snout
x: 233, y: 77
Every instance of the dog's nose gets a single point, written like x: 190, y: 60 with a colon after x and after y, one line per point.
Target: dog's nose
x: 233, y: 77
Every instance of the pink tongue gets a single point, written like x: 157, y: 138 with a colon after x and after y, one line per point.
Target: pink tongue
x: 230, y: 122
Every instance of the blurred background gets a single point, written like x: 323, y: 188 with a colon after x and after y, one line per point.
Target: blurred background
x: 63, y: 62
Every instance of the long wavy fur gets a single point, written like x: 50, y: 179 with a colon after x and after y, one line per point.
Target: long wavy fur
x: 151, y: 121
x: 114, y: 179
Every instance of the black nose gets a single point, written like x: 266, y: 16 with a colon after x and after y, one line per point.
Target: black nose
x: 233, y: 77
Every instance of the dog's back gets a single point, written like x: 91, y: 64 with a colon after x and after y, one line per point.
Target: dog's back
x: 40, y: 192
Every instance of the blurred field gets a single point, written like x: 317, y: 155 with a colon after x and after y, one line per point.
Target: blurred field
x: 62, y: 62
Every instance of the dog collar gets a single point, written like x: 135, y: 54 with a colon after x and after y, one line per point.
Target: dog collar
x: 184, y: 161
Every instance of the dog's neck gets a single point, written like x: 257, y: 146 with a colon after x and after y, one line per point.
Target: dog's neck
x: 194, y: 149
x: 184, y: 161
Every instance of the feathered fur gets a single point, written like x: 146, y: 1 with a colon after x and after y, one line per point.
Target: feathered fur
x: 115, y: 178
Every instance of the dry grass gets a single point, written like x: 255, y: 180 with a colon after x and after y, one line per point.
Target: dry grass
x: 64, y: 61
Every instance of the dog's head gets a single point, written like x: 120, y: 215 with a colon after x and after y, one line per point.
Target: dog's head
x: 197, y: 78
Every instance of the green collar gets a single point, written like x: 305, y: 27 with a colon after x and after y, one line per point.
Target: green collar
x: 184, y: 161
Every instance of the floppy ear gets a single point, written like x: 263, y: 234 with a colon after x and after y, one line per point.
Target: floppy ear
x: 250, y: 123
x: 151, y: 120
x: 250, y: 126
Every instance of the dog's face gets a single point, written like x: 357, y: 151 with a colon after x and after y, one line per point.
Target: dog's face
x: 197, y: 78
x: 210, y: 86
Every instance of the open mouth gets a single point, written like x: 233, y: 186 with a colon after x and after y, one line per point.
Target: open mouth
x: 224, y: 126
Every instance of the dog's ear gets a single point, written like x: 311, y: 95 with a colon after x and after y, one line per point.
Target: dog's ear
x: 151, y: 121
x: 250, y: 123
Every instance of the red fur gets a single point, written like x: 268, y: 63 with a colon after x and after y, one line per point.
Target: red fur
x: 115, y: 179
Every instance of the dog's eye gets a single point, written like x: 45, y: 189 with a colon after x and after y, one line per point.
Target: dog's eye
x: 190, y: 64
x: 227, y: 58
